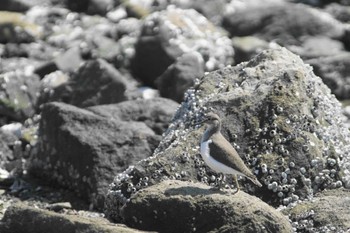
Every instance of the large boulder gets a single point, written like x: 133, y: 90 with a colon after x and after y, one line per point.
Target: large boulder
x: 18, y: 95
x: 168, y: 34
x: 83, y: 151
x: 178, y: 206
x: 21, y: 218
x: 280, y: 117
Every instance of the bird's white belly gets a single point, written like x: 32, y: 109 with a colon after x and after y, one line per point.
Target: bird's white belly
x: 214, y: 164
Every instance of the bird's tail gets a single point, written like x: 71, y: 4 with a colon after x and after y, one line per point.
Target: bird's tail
x: 255, y: 181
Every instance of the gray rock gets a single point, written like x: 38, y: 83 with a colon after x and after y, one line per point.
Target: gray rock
x: 180, y: 76
x: 168, y: 34
x: 20, y: 218
x: 280, y: 117
x: 248, y: 47
x: 335, y: 72
x: 177, y: 206
x: 18, y: 95
x: 96, y: 82
x: 155, y: 113
x: 284, y: 23
x: 83, y: 151
x: 327, y: 212
x: 7, y: 141
x: 340, y: 12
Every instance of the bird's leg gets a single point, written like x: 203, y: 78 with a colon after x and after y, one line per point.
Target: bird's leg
x: 237, y: 185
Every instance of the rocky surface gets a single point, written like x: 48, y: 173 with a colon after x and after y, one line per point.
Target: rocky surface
x: 168, y: 34
x: 83, y: 151
x: 21, y: 218
x: 287, y: 146
x: 125, y: 54
x: 327, y: 212
x: 200, y: 209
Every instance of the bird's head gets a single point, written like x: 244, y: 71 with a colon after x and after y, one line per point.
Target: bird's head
x: 211, y: 119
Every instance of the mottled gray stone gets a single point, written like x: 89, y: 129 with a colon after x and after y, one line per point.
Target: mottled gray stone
x: 178, y: 206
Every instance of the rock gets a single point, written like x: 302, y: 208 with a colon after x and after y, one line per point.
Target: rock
x: 284, y: 23
x: 155, y: 113
x: 20, y: 218
x: 83, y: 151
x: 96, y: 82
x: 340, y: 12
x: 177, y: 206
x: 317, y: 47
x: 15, y: 29
x: 280, y: 117
x: 247, y: 47
x: 18, y: 95
x: 334, y: 71
x: 7, y: 156
x: 70, y: 60
x: 327, y: 212
x: 180, y: 76
x: 13, y: 5
x: 168, y: 34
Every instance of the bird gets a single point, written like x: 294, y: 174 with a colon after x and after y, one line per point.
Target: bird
x: 219, y: 154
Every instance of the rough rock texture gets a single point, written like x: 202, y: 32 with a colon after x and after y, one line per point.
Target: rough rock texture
x: 329, y: 211
x: 96, y: 82
x: 340, y: 12
x: 180, y: 76
x: 168, y: 34
x: 7, y: 142
x: 18, y: 95
x: 155, y: 113
x: 335, y: 72
x: 177, y: 206
x: 15, y: 29
x: 83, y: 151
x: 285, y: 23
x: 20, y: 218
x: 280, y: 117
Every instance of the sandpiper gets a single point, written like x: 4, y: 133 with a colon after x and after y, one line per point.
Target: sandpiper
x: 219, y: 154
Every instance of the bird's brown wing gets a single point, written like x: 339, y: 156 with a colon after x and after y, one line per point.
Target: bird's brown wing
x: 222, y: 151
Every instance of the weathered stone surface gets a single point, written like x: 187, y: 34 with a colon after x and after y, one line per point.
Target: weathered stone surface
x: 14, y: 28
x: 18, y: 95
x: 168, y: 34
x: 340, y: 12
x: 96, y: 82
x: 177, y: 206
x: 285, y: 23
x: 155, y: 113
x: 329, y: 211
x: 335, y: 72
x: 7, y: 142
x: 83, y: 151
x: 280, y: 117
x: 20, y: 218
x: 180, y: 76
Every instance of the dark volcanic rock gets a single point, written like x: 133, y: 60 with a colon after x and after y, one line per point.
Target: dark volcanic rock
x: 18, y: 95
x: 20, y: 218
x: 281, y: 118
x: 180, y: 76
x: 83, y: 151
x: 285, y: 23
x: 95, y: 83
x: 177, y: 206
x: 327, y: 212
x: 155, y: 113
x: 168, y: 34
x: 7, y: 142
x: 335, y: 72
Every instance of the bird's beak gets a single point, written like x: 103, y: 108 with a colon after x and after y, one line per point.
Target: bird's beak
x: 201, y: 122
